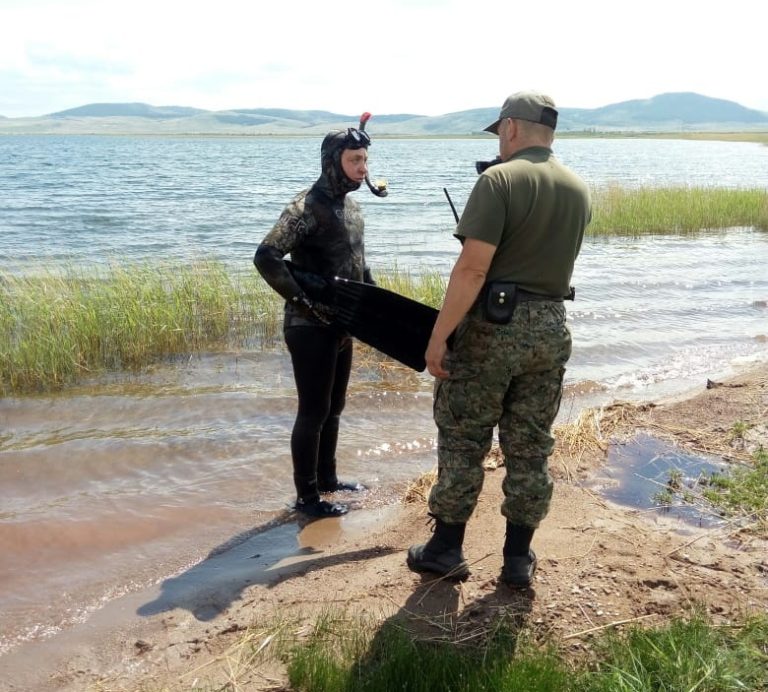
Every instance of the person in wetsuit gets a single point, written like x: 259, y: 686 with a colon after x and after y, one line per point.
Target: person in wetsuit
x: 322, y: 230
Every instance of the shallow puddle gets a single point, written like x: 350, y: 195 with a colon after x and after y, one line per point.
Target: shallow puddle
x: 638, y: 475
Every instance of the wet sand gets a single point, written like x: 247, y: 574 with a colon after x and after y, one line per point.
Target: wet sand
x: 600, y: 564
x: 112, y: 544
x: 202, y: 592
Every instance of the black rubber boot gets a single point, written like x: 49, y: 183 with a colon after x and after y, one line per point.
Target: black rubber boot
x: 328, y: 481
x: 320, y: 508
x: 337, y: 486
x: 519, y: 560
x: 442, y: 553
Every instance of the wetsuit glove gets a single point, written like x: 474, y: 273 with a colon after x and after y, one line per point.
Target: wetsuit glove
x: 310, y: 309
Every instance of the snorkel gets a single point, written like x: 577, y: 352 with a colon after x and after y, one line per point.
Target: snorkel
x: 380, y: 188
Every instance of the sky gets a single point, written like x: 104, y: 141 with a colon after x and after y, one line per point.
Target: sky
x: 426, y: 57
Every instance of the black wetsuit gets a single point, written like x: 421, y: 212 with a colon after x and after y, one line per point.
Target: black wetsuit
x: 322, y: 230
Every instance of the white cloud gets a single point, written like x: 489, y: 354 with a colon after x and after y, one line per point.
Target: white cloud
x: 388, y: 56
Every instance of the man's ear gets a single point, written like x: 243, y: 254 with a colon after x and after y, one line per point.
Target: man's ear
x: 511, y: 131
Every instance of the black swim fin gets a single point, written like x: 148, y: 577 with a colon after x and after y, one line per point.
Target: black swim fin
x: 393, y: 324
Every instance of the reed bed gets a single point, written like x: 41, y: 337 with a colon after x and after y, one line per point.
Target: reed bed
x: 676, y: 210
x: 58, y: 327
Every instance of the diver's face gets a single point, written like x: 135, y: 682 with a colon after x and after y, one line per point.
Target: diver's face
x: 354, y: 163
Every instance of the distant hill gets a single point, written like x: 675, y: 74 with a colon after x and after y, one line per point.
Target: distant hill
x: 119, y: 110
x: 673, y: 112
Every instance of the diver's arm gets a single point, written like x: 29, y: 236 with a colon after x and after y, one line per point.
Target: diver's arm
x: 269, y: 262
x: 288, y: 233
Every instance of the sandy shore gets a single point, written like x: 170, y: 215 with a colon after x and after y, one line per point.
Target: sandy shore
x: 600, y: 565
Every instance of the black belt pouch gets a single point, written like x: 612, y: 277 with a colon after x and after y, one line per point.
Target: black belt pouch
x: 500, y: 301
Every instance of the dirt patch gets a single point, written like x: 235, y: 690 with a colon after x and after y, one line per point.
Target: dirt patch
x: 600, y: 565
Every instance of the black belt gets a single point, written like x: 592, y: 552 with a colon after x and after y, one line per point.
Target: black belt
x: 523, y: 296
x: 497, y: 300
x: 527, y: 296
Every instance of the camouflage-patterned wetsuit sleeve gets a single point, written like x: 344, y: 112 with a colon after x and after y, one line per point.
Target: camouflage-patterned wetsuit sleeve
x: 288, y: 233
x: 322, y: 235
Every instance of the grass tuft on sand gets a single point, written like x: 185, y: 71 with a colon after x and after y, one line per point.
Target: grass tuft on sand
x: 344, y: 652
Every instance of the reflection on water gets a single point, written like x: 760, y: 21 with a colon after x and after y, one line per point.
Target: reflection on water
x: 655, y: 311
x: 637, y: 474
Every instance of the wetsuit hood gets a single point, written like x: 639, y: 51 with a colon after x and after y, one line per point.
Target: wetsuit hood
x: 332, y: 180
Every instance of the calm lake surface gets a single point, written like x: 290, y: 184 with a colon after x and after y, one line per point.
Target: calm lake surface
x: 116, y: 484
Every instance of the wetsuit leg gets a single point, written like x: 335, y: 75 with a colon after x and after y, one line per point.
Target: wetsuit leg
x: 326, y: 459
x: 314, y: 354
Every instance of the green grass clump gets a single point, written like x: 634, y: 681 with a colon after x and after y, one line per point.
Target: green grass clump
x: 354, y: 656
x: 743, y: 491
x: 690, y: 655
x: 343, y: 655
x: 58, y: 327
x: 676, y: 210
x: 740, y: 493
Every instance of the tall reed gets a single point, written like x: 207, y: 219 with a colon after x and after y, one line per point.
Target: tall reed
x: 427, y: 287
x: 57, y: 327
x: 675, y: 210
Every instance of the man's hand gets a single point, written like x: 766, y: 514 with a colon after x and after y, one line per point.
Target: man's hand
x: 467, y: 278
x: 434, y: 355
x: 310, y: 309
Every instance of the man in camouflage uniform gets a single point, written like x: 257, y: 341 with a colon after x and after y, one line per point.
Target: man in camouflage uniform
x: 523, y: 225
x: 322, y: 229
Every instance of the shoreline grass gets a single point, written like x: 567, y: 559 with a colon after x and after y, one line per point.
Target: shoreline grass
x: 58, y: 327
x: 683, y: 654
x: 343, y: 652
x: 740, y: 494
x: 752, y: 136
x: 676, y: 210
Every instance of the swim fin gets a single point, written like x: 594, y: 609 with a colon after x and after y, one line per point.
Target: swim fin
x: 393, y: 324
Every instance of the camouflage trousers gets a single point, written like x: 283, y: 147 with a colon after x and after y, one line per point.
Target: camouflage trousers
x: 508, y: 376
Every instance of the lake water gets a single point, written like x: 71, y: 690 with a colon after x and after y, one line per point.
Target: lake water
x: 117, y: 484
x: 122, y: 198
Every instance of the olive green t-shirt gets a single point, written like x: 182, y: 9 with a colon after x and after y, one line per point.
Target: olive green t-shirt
x: 534, y: 210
